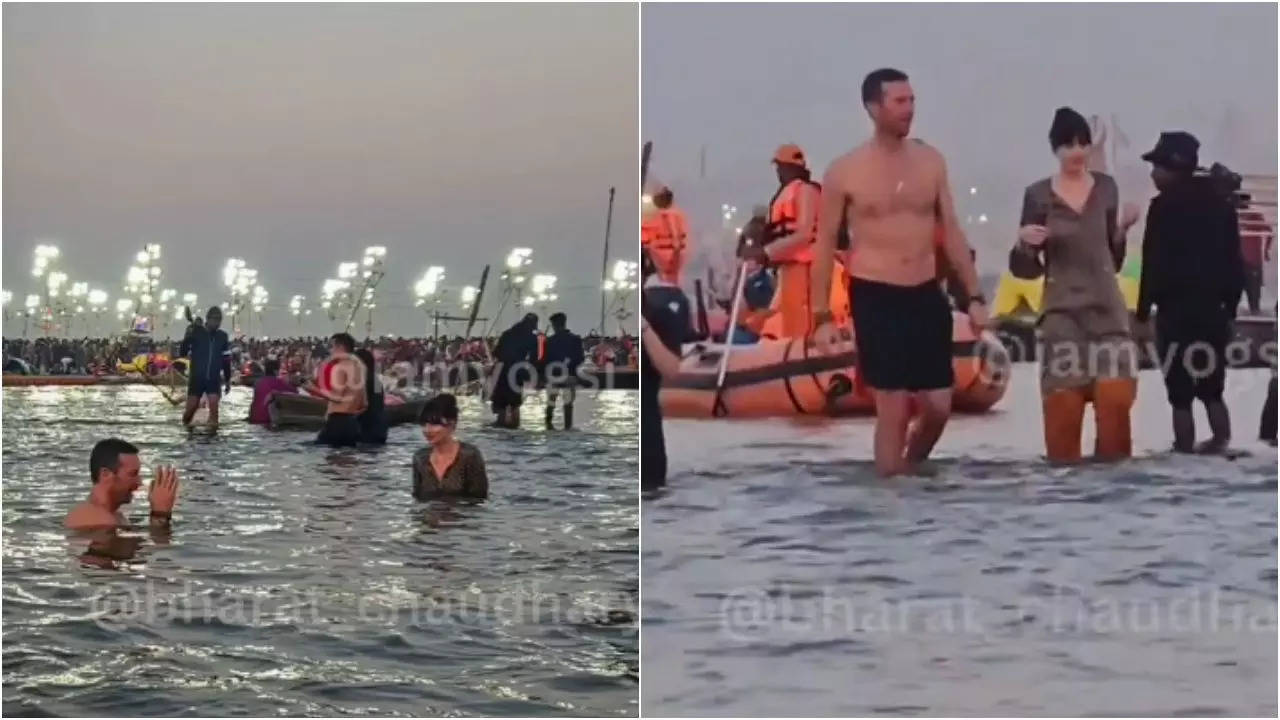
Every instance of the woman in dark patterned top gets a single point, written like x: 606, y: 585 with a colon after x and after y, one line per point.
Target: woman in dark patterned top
x: 1073, y: 235
x: 449, y: 467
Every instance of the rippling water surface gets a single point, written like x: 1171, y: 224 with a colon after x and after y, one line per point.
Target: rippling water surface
x: 782, y: 577
x: 300, y: 580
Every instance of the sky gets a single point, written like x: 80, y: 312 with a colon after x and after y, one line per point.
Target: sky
x: 729, y: 83
x: 293, y: 136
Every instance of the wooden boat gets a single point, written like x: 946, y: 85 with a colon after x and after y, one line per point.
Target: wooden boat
x: 779, y: 378
x: 303, y: 412
x: 15, y: 380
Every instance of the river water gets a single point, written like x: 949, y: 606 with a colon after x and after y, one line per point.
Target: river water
x: 300, y: 580
x: 781, y: 577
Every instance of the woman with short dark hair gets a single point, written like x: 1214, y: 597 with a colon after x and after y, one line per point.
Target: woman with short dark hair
x: 1073, y: 235
x: 448, y: 467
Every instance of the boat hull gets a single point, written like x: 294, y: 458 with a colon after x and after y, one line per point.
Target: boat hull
x: 786, y: 377
x: 303, y: 412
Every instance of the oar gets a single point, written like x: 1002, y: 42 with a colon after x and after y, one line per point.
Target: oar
x: 152, y: 383
x: 718, y: 408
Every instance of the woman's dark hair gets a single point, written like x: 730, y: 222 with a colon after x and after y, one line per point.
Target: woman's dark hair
x: 441, y: 407
x: 1069, y: 127
x: 271, y: 367
x: 366, y: 357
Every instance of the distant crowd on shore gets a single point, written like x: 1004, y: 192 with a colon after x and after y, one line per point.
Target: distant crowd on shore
x: 101, y: 356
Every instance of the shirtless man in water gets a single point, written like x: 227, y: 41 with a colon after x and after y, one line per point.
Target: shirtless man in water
x: 894, y: 193
x: 346, y: 394
x: 115, y: 469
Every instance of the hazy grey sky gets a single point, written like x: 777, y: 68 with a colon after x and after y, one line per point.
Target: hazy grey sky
x: 741, y: 79
x: 295, y: 135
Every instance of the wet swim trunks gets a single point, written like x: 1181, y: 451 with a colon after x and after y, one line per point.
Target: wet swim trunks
x: 340, y: 430
x: 903, y: 335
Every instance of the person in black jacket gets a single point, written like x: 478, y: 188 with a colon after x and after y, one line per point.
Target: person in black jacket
x: 561, y: 359
x: 209, y: 350
x: 373, y: 421
x: 1192, y: 272
x: 515, y: 358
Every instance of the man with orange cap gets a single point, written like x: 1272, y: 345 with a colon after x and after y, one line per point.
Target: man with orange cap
x: 793, y: 229
x: 664, y: 235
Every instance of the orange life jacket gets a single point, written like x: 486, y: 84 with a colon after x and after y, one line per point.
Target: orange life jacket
x: 665, y: 236
x: 784, y: 212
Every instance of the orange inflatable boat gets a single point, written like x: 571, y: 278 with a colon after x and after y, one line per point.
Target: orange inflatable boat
x: 778, y: 378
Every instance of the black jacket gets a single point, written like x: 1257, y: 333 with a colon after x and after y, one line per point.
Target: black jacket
x: 564, y: 348
x: 1191, y: 253
x: 210, y: 353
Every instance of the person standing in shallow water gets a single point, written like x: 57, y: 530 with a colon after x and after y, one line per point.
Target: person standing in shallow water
x: 1193, y: 273
x: 209, y: 350
x: 515, y: 358
x: 1073, y: 235
x: 892, y: 194
x: 448, y: 467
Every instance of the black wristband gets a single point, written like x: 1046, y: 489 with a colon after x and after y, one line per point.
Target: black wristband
x: 161, y: 515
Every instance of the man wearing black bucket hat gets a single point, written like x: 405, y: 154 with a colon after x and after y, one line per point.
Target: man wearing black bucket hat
x: 1193, y: 274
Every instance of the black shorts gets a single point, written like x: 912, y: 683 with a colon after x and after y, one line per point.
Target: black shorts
x: 903, y: 335
x: 1194, y: 346
x: 199, y: 387
x: 340, y: 430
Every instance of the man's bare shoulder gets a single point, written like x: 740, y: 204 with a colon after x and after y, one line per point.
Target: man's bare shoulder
x: 844, y: 169
x: 927, y: 153
x: 87, y: 516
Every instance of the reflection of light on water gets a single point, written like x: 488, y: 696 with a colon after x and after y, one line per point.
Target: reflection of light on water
x: 265, y: 521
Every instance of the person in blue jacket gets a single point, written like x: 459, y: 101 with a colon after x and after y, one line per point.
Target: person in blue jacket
x: 209, y: 351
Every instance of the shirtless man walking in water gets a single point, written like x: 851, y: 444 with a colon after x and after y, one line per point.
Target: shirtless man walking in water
x: 894, y: 194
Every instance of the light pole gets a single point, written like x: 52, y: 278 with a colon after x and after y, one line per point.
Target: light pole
x: 147, y: 282
x: 240, y: 280
x: 258, y: 301
x: 513, y: 279
x: 374, y: 256
x: 124, y: 306
x: 334, y: 296
x: 97, y: 305
x: 78, y: 294
x: 543, y: 288
x: 33, y: 306
x: 8, y: 297
x: 427, y: 292
x: 622, y: 285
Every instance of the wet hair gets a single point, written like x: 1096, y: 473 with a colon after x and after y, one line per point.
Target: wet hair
x: 271, y: 367
x: 1069, y: 127
x: 214, y: 311
x: 345, y: 340
x: 106, y: 456
x: 558, y: 320
x: 873, y: 83
x: 441, y: 407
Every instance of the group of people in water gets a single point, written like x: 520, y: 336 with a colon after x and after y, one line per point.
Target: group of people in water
x: 871, y: 253
x: 351, y: 387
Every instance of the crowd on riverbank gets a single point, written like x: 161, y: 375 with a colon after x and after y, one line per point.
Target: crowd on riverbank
x: 101, y: 356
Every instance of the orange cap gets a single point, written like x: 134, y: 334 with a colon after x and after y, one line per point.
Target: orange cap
x: 789, y: 153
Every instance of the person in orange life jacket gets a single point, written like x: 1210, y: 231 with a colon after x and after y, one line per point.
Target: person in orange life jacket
x: 664, y: 236
x: 793, y: 227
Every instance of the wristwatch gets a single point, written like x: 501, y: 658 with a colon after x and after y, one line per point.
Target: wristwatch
x: 977, y: 297
x: 822, y: 316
